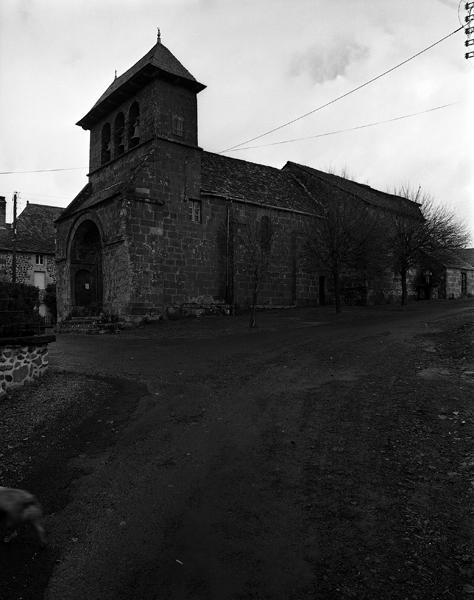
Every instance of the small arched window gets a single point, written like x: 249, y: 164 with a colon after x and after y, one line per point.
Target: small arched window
x: 119, y: 134
x: 134, y: 125
x: 105, y: 154
x: 266, y: 234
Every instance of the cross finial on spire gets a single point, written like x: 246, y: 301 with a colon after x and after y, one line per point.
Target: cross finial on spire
x: 115, y: 77
x: 158, y: 35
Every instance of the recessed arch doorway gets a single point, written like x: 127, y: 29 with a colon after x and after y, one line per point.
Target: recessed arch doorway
x: 86, y: 269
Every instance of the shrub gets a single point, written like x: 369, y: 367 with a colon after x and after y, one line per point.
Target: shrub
x: 18, y: 309
x: 50, y: 299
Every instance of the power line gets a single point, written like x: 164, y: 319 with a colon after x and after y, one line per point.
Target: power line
x: 337, y: 131
x: 36, y: 195
x: 44, y: 170
x: 359, y: 87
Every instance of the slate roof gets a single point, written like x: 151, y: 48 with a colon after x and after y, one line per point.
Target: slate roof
x: 35, y: 230
x: 452, y: 259
x: 316, y: 182
x: 294, y: 186
x: 467, y: 254
x: 88, y: 198
x: 76, y: 204
x: 158, y: 61
x: 262, y: 184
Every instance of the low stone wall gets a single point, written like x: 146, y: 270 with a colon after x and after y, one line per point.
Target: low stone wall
x: 22, y: 359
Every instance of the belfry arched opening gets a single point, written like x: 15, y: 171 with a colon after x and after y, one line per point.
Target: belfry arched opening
x: 86, y: 269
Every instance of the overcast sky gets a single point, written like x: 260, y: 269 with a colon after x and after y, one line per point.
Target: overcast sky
x: 265, y: 62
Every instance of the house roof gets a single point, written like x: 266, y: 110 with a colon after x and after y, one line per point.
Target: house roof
x: 253, y: 182
x: 159, y: 61
x: 467, y: 254
x: 35, y: 230
x: 452, y: 259
x: 317, y: 181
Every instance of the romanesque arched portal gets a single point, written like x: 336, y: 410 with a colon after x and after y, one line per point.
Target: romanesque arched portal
x: 86, y: 269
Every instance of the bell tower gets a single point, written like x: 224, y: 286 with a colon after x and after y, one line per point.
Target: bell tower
x: 144, y: 180
x: 155, y: 98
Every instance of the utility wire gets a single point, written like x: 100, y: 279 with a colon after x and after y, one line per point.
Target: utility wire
x: 337, y: 131
x: 44, y: 170
x: 36, y: 195
x: 359, y: 87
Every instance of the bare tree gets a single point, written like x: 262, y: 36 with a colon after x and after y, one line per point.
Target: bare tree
x: 436, y: 228
x: 348, y: 238
x: 255, y: 241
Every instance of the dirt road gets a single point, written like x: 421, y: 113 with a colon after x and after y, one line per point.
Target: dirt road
x: 312, y: 458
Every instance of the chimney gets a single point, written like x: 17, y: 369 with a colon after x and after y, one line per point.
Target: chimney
x: 3, y: 209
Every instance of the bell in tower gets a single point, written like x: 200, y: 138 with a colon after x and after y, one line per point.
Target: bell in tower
x: 134, y: 125
x: 136, y: 131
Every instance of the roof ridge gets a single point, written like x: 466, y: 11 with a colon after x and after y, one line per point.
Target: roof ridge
x: 44, y: 205
x: 241, y: 160
x: 158, y: 61
x: 317, y: 172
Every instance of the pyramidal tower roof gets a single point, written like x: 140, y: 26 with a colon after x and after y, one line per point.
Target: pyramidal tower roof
x: 158, y: 62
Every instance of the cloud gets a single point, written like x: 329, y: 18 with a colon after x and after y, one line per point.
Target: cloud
x: 328, y: 61
x: 25, y: 10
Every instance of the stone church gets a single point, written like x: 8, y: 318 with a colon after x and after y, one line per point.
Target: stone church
x: 152, y: 229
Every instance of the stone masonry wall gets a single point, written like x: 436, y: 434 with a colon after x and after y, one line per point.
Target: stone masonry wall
x: 20, y: 364
x: 452, y: 283
x: 287, y: 281
x: 160, y: 232
x: 175, y: 260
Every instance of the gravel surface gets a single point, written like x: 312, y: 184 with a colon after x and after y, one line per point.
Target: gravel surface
x: 43, y: 426
x: 32, y: 415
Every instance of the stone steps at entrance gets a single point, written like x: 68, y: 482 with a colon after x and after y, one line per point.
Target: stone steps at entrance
x: 84, y: 319
x: 88, y: 325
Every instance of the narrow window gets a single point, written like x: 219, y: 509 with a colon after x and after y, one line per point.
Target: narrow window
x: 40, y: 259
x: 463, y: 283
x: 105, y: 144
x: 134, y: 125
x: 195, y: 211
x: 266, y: 233
x: 119, y: 134
x: 178, y: 126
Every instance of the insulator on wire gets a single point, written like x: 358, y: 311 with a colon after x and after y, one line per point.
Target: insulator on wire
x: 469, y: 54
x: 469, y: 5
x: 469, y: 42
x: 469, y: 30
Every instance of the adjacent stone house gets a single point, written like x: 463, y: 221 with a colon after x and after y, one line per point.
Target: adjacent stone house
x: 157, y: 224
x: 35, y: 245
x: 446, y: 275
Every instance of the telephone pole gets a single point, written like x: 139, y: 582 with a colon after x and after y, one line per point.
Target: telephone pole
x: 469, y: 30
x: 15, y: 199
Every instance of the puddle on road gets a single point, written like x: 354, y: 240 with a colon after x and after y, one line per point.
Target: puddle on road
x: 345, y: 375
x: 429, y: 347
x: 438, y: 373
x: 434, y: 373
